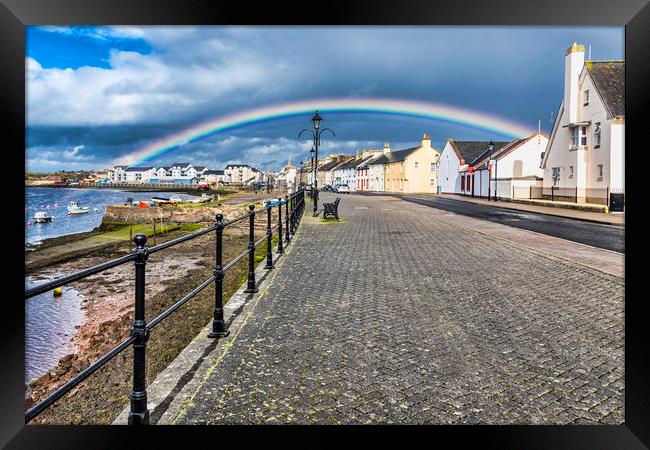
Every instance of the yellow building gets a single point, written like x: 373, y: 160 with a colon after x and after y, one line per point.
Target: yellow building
x: 412, y: 170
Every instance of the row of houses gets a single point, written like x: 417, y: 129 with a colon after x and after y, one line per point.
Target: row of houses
x: 383, y: 170
x: 184, y: 173
x: 461, y: 168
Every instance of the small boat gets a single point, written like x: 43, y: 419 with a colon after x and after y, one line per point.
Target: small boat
x: 204, y: 198
x: 95, y: 210
x: 76, y: 208
x: 42, y: 217
x: 175, y: 199
x: 161, y: 200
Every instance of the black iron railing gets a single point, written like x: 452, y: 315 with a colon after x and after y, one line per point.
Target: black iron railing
x: 294, y: 206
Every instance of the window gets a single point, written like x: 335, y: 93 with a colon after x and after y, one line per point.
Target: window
x: 574, y: 137
x: 597, y: 135
x: 556, y: 176
x: 586, y: 97
x: 433, y: 167
x: 599, y: 170
x: 462, y: 182
x: 570, y: 171
x: 416, y: 164
x: 583, y: 135
x: 433, y: 181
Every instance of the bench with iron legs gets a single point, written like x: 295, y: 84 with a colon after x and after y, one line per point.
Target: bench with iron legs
x: 331, y: 209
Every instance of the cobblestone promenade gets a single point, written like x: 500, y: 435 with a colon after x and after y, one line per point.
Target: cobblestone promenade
x: 400, y: 315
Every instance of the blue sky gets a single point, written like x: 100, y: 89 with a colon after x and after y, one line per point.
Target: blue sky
x: 97, y: 93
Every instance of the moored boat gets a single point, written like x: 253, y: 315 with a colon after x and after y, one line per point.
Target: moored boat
x: 42, y: 217
x: 161, y: 200
x: 76, y: 208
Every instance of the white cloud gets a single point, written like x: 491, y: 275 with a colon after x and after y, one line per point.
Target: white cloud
x: 190, y: 73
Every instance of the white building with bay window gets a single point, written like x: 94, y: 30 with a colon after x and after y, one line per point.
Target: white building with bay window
x: 586, y: 148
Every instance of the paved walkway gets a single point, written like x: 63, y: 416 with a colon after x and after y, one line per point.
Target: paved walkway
x: 590, y: 216
x: 405, y: 314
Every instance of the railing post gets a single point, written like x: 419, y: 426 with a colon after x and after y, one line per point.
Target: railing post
x: 269, y: 239
x: 250, y: 287
x: 280, y: 237
x: 218, y: 324
x: 139, y: 414
x: 286, y: 204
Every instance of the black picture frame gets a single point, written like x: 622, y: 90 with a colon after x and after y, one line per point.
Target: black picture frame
x: 633, y: 14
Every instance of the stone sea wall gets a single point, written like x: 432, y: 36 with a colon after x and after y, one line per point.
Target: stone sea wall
x: 179, y: 215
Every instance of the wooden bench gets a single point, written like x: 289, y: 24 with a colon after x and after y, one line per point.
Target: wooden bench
x: 331, y: 209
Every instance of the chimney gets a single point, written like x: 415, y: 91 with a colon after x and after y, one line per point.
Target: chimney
x: 386, y: 147
x: 574, y: 60
x: 426, y: 141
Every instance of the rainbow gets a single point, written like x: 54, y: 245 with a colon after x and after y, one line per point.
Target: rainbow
x: 404, y: 108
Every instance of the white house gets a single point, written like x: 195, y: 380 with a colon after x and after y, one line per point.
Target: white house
x: 515, y: 170
x: 376, y: 172
x: 362, y: 170
x: 586, y: 149
x: 117, y: 174
x: 346, y: 173
x: 213, y: 176
x: 330, y: 172
x: 242, y: 174
x: 454, y: 163
x: 139, y: 174
x: 286, y: 179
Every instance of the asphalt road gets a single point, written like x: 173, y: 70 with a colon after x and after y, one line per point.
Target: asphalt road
x: 608, y: 237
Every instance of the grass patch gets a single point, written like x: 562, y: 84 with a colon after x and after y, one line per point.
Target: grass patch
x: 331, y: 220
x: 123, y: 232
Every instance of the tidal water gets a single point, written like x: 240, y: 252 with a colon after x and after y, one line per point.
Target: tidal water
x: 49, y: 325
x: 55, y: 201
x: 50, y: 321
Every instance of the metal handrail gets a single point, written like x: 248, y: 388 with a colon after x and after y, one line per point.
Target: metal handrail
x: 140, y: 329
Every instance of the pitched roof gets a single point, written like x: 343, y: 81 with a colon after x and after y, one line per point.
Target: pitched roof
x: 138, y: 169
x: 121, y: 167
x: 469, y: 151
x: 199, y: 168
x: 181, y: 164
x: 232, y: 166
x: 329, y: 165
x: 351, y: 164
x: 609, y: 78
x: 341, y: 163
x: 213, y: 172
x: 396, y: 156
x: 369, y: 160
x: 484, y: 157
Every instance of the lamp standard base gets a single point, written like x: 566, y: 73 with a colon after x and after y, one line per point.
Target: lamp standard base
x: 218, y: 334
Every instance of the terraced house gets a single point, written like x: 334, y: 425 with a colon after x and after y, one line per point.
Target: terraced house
x: 586, y: 150
x: 465, y: 167
x: 411, y: 170
x: 362, y: 169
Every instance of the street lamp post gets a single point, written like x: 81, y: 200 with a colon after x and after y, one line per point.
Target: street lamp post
x: 491, y: 148
x: 312, y: 154
x: 316, y: 133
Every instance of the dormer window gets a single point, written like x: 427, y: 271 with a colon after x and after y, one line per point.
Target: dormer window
x: 586, y: 97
